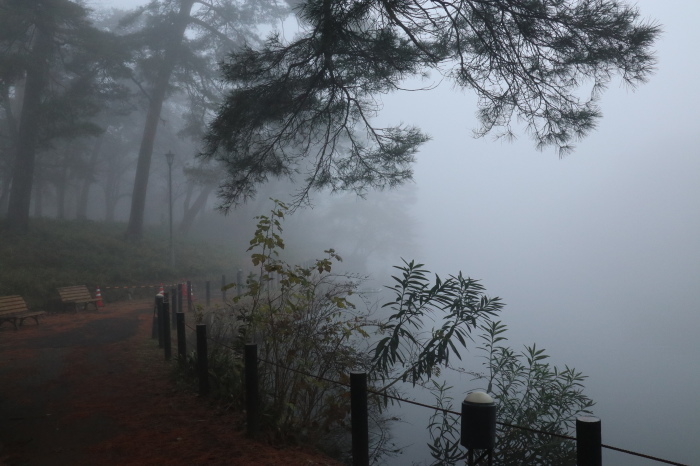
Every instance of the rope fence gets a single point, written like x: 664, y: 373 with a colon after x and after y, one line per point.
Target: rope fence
x: 160, y: 327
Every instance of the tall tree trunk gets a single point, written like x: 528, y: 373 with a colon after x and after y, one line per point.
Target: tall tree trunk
x: 110, y: 207
x: 37, y: 79
x: 38, y: 193
x: 5, y: 194
x: 188, y: 198
x: 196, y: 207
x: 138, y: 200
x: 61, y: 182
x: 83, y: 194
x: 112, y: 187
x: 9, y: 105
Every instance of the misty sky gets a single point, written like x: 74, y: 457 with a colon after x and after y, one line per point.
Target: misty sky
x: 612, y: 225
x: 598, y: 254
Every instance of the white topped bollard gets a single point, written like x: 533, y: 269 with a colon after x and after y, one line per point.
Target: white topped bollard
x: 479, y: 425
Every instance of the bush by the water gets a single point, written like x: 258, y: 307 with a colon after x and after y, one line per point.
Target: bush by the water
x: 313, y: 329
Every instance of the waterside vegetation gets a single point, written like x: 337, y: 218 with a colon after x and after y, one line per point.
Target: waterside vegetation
x: 313, y: 327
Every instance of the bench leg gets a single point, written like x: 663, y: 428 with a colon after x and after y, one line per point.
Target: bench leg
x: 66, y: 306
x: 36, y: 319
x: 14, y: 321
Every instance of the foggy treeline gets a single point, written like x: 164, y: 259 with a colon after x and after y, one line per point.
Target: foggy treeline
x: 92, y: 100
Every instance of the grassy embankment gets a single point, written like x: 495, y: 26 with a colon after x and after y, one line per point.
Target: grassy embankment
x: 63, y: 253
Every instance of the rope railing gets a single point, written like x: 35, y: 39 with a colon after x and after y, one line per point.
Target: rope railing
x: 642, y: 455
x: 447, y: 411
x: 129, y: 287
x: 424, y: 405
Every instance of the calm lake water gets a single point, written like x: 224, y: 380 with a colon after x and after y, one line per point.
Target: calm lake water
x: 646, y: 388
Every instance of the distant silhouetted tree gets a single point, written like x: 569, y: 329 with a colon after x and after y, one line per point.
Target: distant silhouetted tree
x: 180, y: 43
x: 56, y: 72
x: 30, y: 31
x: 205, y: 178
x: 305, y: 107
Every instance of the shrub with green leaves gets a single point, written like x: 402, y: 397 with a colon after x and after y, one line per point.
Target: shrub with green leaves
x: 409, y: 349
x: 308, y: 332
x: 529, y: 393
x: 311, y: 335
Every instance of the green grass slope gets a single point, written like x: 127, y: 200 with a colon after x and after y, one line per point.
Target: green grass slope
x: 63, y: 253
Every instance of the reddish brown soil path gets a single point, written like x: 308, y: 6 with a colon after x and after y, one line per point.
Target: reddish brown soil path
x: 92, y: 388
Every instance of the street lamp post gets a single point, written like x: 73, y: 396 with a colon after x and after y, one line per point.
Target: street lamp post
x: 169, y: 157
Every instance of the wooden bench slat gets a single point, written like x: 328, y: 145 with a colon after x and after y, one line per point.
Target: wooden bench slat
x: 74, y: 297
x: 75, y: 294
x: 78, y: 294
x: 14, y: 308
x: 13, y: 298
x: 11, y: 304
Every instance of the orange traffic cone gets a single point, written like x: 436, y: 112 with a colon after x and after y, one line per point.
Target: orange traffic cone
x: 98, y: 295
x: 161, y: 289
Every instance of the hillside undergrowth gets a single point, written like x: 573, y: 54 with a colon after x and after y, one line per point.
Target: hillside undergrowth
x: 59, y: 253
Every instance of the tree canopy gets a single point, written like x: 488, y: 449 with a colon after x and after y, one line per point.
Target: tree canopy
x: 57, y: 72
x: 305, y: 107
x: 179, y: 45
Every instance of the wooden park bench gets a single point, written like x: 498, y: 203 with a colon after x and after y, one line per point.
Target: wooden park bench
x: 14, y: 309
x: 76, y: 296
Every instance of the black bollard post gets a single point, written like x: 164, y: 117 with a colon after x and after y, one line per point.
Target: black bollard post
x: 202, y: 359
x: 251, y: 389
x: 154, y: 329
x: 166, y: 299
x: 189, y: 296
x: 181, y: 338
x: 167, y: 349
x: 208, y: 286
x: 160, y: 322
x: 180, y: 293
x: 589, y: 450
x: 359, y: 419
x: 223, y: 291
x: 174, y: 299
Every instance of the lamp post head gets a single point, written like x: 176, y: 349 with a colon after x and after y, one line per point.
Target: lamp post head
x: 169, y: 157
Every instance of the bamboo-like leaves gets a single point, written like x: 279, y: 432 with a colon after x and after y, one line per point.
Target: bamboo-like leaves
x: 533, y: 393
x: 458, y: 303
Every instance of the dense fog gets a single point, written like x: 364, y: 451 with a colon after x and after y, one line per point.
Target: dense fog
x: 596, y: 254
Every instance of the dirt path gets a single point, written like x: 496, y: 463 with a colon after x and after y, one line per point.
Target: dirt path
x: 94, y: 389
